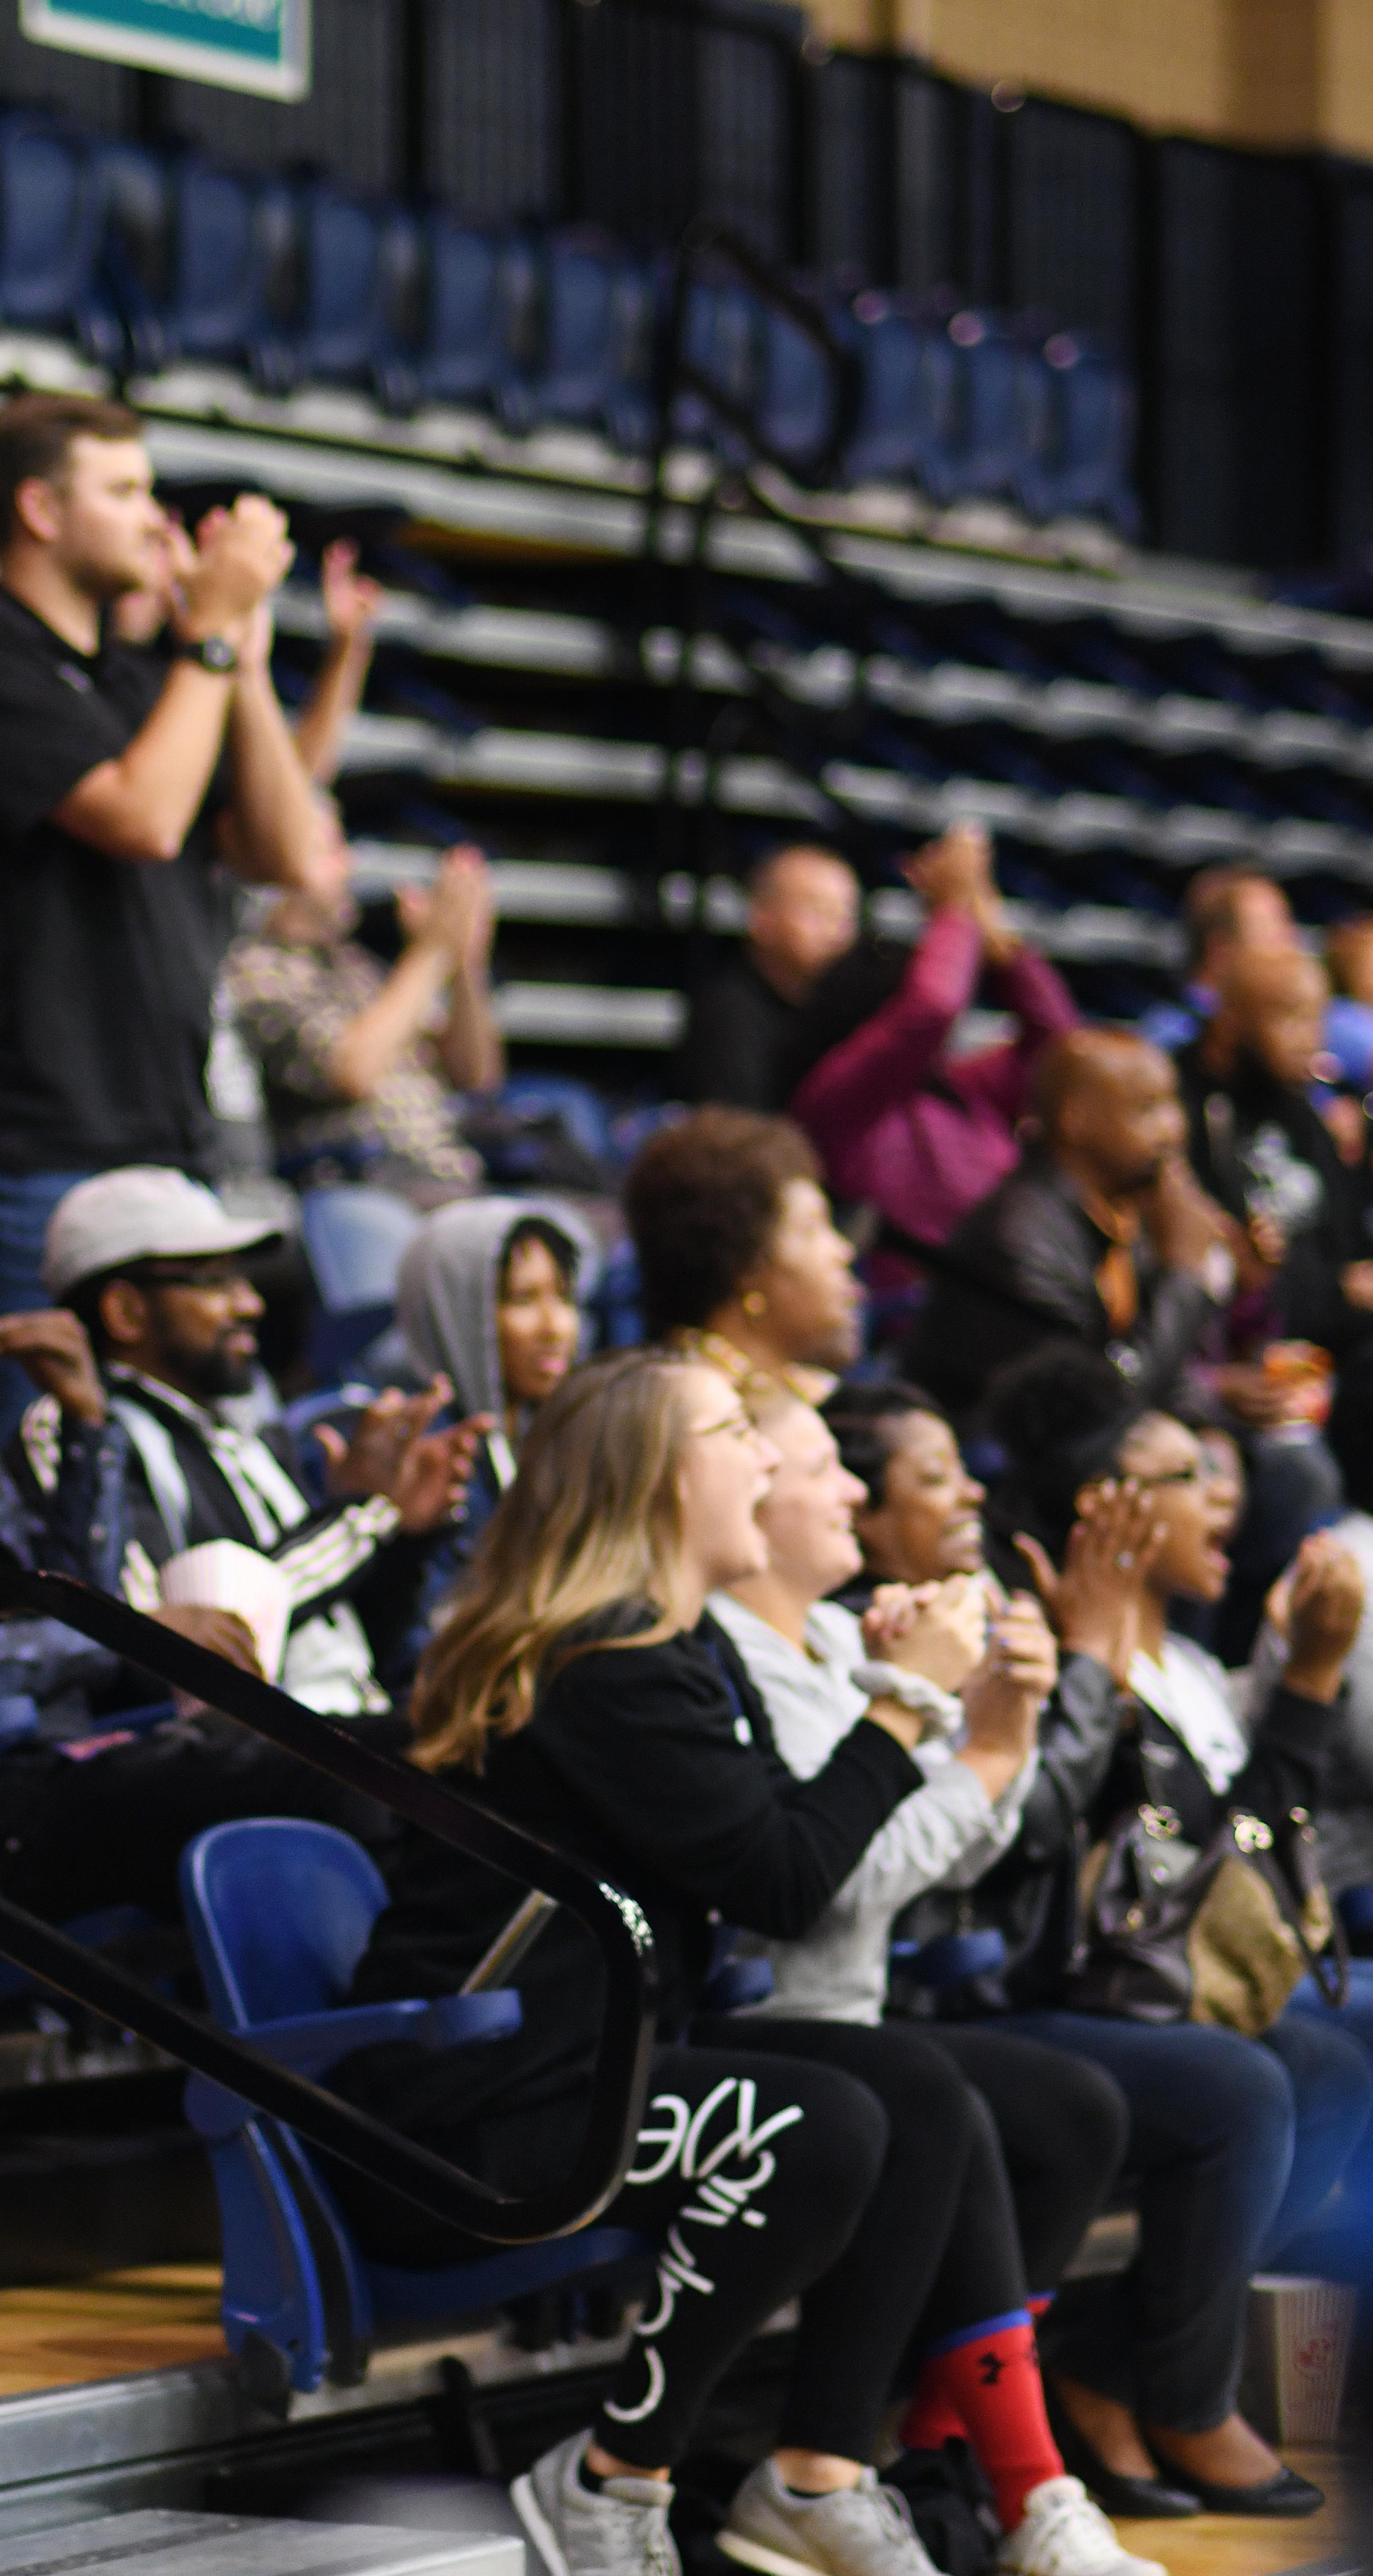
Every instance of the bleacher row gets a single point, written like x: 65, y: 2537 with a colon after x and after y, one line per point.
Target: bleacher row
x: 159, y: 262
x: 1116, y: 733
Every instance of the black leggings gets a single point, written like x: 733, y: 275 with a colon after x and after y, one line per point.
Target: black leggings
x: 853, y: 2166
x: 1063, y: 2140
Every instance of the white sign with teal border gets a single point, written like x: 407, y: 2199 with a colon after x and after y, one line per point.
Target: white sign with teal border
x: 262, y: 45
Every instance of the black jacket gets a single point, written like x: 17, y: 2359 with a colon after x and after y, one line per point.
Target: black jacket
x: 1020, y: 1270
x: 1101, y: 1751
x: 1260, y: 1148
x: 736, y: 1038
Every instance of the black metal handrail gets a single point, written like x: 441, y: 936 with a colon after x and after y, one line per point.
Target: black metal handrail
x: 613, y: 1919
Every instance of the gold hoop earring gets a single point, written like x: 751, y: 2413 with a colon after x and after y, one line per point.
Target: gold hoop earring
x: 755, y: 1304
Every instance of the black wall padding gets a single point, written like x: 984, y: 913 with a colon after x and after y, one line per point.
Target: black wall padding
x: 1073, y: 185
x: 1238, y: 365
x: 492, y: 107
x: 350, y: 127
x: 1350, y: 232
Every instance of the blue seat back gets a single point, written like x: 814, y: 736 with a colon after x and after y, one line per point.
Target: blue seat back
x: 218, y: 278
x: 481, y: 295
x: 906, y: 419
x: 1080, y: 409
x: 993, y: 421
x: 355, y: 1238
x: 341, y: 246
x: 796, y: 395
x: 47, y: 227
x: 597, y: 339
x: 279, y: 1914
x: 721, y: 338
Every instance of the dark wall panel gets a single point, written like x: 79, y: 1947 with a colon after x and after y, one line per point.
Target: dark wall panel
x: 1238, y: 359
x: 745, y: 112
x: 1073, y: 218
x: 492, y: 106
x: 1350, y: 214
x: 99, y: 95
x: 351, y: 125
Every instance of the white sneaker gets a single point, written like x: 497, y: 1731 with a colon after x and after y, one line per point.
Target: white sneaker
x: 857, y: 2531
x: 622, y: 2531
x: 1064, y: 2534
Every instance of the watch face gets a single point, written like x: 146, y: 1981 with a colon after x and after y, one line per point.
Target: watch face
x: 217, y: 654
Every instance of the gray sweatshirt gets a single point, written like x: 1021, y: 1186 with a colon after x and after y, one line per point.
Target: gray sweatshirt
x: 947, y: 1833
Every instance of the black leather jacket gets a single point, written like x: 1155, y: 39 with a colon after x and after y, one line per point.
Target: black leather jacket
x: 1020, y: 1270
x: 1085, y: 1782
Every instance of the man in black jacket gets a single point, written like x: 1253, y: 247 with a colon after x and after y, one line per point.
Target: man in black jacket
x: 1266, y: 1154
x: 1101, y: 1232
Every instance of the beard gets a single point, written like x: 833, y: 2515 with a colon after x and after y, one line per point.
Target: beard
x: 215, y: 1372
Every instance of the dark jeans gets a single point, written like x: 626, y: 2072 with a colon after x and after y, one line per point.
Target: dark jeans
x: 1234, y: 2143
x: 27, y: 1201
x: 1064, y: 2127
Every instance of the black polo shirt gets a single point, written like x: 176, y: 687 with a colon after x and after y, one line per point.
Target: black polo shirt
x: 107, y: 966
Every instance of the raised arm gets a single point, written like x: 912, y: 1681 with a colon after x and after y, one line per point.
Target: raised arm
x: 140, y: 806
x: 351, y: 603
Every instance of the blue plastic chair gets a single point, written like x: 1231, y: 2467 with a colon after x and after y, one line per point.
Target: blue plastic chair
x: 1079, y: 412
x: 905, y: 427
x: 796, y: 395
x: 597, y: 342
x: 354, y: 1240
x: 355, y: 254
x: 721, y: 338
x: 48, y: 225
x: 279, y: 1913
x: 480, y: 295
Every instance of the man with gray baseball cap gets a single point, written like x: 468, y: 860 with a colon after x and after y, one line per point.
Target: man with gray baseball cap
x: 128, y: 1458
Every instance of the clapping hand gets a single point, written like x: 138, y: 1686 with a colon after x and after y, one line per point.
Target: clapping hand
x: 1003, y: 1697
x: 351, y: 599
x: 1093, y: 1604
x: 1317, y: 1606
x: 938, y: 1630
x: 391, y: 1450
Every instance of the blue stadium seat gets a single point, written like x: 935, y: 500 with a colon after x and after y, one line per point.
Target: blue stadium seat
x: 722, y: 339
x: 905, y: 421
x: 349, y: 248
x: 131, y: 201
x: 48, y: 227
x: 796, y: 395
x: 234, y: 237
x: 480, y: 292
x: 354, y: 1239
x: 986, y: 461
x: 1079, y: 409
x: 279, y: 1913
x: 598, y: 340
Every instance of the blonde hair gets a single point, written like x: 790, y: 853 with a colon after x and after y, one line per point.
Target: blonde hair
x: 591, y: 1524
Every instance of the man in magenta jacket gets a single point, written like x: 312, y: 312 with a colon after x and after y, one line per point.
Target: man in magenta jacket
x: 900, y: 1122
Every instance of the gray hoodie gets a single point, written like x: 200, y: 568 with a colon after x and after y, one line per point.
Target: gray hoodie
x: 446, y: 1298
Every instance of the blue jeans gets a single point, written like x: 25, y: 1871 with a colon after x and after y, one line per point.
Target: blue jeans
x: 27, y: 1201
x: 1234, y: 2144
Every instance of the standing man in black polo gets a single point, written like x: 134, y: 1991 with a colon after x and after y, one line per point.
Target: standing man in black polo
x: 126, y: 773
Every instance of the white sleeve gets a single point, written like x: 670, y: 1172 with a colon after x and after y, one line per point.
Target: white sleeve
x: 948, y: 1833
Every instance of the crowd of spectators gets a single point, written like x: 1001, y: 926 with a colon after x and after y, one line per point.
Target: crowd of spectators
x: 985, y: 1511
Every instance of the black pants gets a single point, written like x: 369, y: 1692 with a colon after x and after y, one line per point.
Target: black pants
x: 108, y: 1829
x: 853, y: 2166
x: 937, y: 2247
x: 1064, y: 2127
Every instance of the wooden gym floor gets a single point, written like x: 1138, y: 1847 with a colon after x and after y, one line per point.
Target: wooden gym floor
x: 124, y: 2322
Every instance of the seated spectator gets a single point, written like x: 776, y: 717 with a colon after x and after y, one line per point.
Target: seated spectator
x: 1101, y: 1231
x: 1345, y: 1817
x: 920, y: 1519
x: 152, y: 1267
x: 802, y: 913
x: 901, y: 1122
x: 1227, y: 912
x: 1266, y: 1155
x: 802, y: 1652
x: 571, y: 1677
x: 360, y: 1065
x: 740, y: 1259
x: 489, y: 1298
x: 102, y: 1783
x: 114, y: 763
x: 1236, y: 2141
x: 1348, y: 1034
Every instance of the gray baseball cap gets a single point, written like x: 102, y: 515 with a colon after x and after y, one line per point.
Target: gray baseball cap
x: 139, y: 1214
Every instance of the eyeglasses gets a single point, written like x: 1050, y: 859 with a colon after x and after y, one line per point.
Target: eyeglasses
x: 738, y: 1423
x: 1194, y: 1475
x: 212, y: 1278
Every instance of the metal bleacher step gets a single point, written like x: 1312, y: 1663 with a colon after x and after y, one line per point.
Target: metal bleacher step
x: 202, y: 2544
